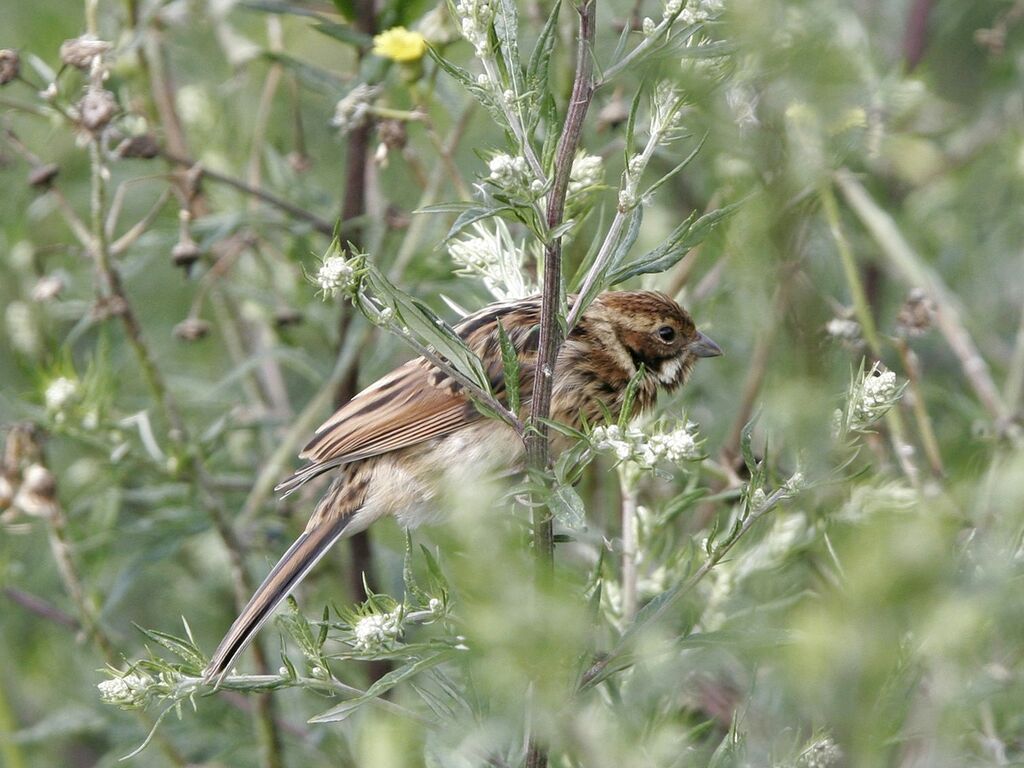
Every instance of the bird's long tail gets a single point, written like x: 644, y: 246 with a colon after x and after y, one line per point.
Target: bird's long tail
x: 285, y: 576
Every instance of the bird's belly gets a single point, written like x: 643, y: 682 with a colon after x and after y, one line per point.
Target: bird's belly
x: 411, y: 483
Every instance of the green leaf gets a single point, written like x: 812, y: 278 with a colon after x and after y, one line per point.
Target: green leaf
x: 634, y: 109
x: 434, y: 567
x: 620, y: 46
x: 456, y: 206
x: 621, y: 248
x: 281, y: 7
x: 428, y: 327
x: 346, y: 8
x: 746, y: 445
x: 540, y: 60
x: 460, y: 74
x: 471, y: 216
x: 183, y: 649
x: 506, y: 28
x: 687, y: 235
x: 344, y: 33
x: 689, y: 158
x: 383, y: 685
x: 567, y: 506
x: 708, y: 50
x: 405, y: 12
x: 510, y: 365
x: 630, y: 397
x: 313, y: 76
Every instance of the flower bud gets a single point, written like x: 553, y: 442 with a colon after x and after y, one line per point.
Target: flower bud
x: 96, y: 109
x: 80, y: 51
x: 143, y: 146
x: 185, y: 253
x: 191, y: 329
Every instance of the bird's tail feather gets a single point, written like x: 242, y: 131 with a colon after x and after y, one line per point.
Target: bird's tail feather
x: 282, y: 579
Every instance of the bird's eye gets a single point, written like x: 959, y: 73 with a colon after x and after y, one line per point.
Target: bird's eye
x: 667, y: 333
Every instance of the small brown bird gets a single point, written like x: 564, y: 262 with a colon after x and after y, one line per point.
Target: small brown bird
x: 398, y: 442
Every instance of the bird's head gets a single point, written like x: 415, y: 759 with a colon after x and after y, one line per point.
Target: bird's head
x: 657, y: 333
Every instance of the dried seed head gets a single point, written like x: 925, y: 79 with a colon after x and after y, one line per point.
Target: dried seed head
x: 80, y: 51
x: 191, y: 329
x: 915, y: 316
x: 10, y: 65
x: 185, y: 253
x: 42, y: 176
x: 143, y: 146
x: 392, y: 134
x: 96, y: 109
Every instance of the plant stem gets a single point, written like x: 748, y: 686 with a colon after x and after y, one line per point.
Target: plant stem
x: 924, y: 421
x: 323, y: 226
x: 550, y: 335
x: 537, y: 448
x: 627, y: 488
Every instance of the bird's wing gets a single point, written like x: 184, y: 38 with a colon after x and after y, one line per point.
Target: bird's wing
x: 413, y: 403
x: 417, y: 402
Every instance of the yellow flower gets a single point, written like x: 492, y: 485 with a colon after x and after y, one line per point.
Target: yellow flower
x: 399, y: 44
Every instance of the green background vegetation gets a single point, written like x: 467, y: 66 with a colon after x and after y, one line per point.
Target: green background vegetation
x: 874, y: 618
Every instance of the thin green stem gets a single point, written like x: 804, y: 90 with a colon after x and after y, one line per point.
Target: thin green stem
x: 862, y: 310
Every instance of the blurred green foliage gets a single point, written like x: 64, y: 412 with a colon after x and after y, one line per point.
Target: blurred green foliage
x: 873, y: 617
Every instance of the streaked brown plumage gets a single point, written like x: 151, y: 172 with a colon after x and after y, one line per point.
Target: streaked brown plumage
x: 395, y: 442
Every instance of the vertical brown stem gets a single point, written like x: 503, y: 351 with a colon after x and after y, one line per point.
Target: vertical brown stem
x: 550, y: 335
x: 353, y: 210
x: 537, y: 449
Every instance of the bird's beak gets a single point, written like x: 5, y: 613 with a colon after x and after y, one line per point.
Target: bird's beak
x: 704, y: 347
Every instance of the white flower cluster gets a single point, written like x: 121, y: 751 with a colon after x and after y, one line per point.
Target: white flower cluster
x: 587, y: 171
x: 843, y: 329
x: 512, y: 174
x: 493, y: 256
x: 698, y: 10
x: 635, y: 445
x: 876, y: 395
x: 127, y: 692
x: 666, y: 111
x: 742, y: 101
x: 336, y: 274
x: 377, y: 630
x: 475, y: 17
x: 351, y: 111
x: 59, y: 393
